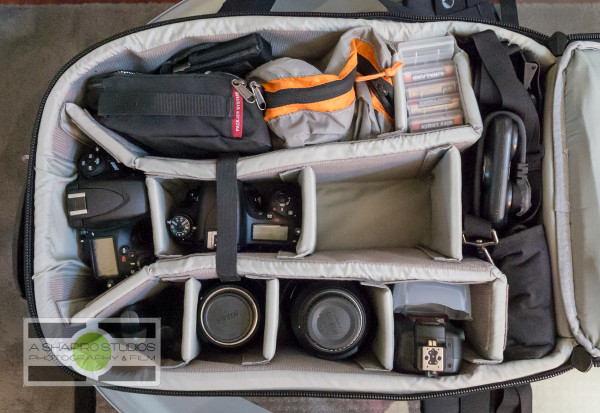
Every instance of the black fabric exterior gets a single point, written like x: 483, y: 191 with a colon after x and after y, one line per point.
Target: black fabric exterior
x: 508, y: 11
x: 479, y: 402
x: 237, y: 6
x: 85, y: 399
x: 509, y: 400
x: 524, y: 259
x: 238, y: 56
x: 448, y: 404
x: 313, y: 94
x: 480, y: 9
x: 179, y: 115
x: 227, y: 218
x: 19, y: 247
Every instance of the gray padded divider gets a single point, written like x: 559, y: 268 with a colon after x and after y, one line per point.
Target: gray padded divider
x: 127, y: 292
x: 486, y: 332
x: 305, y: 177
x: 382, y: 348
x: 117, y: 146
x: 446, y: 206
x: 271, y: 323
x: 423, y: 210
x: 190, y: 346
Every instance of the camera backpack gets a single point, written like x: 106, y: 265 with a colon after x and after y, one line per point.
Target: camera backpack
x: 378, y: 211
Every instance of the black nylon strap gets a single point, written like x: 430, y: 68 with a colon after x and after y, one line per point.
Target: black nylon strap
x: 227, y: 217
x: 164, y: 104
x: 517, y: 400
x: 508, y: 9
x: 476, y: 228
x: 513, y: 96
x: 479, y: 402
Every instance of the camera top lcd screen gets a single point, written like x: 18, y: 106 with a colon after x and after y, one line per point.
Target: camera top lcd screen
x: 103, y: 255
x: 269, y: 232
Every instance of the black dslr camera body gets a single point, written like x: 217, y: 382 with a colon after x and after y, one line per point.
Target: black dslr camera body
x: 269, y: 218
x: 108, y: 204
x: 428, y: 345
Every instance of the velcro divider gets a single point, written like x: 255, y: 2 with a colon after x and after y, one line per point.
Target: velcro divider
x: 227, y: 217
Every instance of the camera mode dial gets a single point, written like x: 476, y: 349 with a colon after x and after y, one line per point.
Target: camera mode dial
x: 181, y: 226
x: 92, y: 163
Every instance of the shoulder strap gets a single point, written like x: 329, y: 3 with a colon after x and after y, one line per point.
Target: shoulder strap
x: 505, y: 87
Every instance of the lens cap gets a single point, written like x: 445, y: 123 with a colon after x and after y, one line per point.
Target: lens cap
x: 330, y: 321
x: 229, y: 316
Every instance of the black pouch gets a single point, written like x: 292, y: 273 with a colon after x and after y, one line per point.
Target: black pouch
x: 183, y: 115
x: 524, y: 259
x: 238, y: 56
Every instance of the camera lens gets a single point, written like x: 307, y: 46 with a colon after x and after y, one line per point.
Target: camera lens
x: 229, y: 316
x: 330, y: 320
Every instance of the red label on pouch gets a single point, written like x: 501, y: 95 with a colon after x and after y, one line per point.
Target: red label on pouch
x: 237, y: 123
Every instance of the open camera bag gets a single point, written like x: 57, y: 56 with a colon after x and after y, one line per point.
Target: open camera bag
x: 383, y: 210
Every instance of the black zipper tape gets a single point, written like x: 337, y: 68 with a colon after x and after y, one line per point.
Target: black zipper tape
x: 29, y: 228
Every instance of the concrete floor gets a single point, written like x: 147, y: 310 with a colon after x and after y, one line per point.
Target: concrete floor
x: 35, y: 42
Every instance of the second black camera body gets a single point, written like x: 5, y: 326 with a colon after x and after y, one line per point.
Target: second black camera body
x: 269, y: 217
x: 108, y: 205
x: 427, y: 345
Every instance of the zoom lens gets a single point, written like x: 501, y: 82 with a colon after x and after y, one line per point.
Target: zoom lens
x: 330, y: 319
x: 229, y: 316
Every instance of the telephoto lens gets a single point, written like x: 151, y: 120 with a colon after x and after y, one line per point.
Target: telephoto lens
x: 332, y: 320
x: 230, y: 315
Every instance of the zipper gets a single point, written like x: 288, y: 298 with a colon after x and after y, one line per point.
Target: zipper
x: 29, y: 205
x: 251, y: 92
x: 583, y: 36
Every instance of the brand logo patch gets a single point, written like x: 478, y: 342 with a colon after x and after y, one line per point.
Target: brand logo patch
x: 237, y: 123
x: 448, y: 4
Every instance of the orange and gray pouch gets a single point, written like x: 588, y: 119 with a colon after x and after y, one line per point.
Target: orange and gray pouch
x: 347, y: 96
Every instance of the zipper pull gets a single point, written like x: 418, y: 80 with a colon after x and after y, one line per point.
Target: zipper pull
x: 241, y: 86
x: 257, y: 92
x: 581, y: 359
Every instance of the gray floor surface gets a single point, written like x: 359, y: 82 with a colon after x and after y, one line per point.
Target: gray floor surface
x: 35, y: 41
